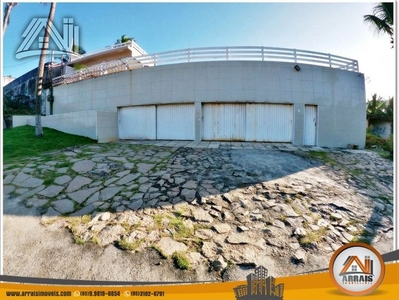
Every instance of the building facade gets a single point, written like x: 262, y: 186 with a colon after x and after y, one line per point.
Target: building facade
x: 222, y: 99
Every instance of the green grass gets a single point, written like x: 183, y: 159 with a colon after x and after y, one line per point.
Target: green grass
x: 130, y: 246
x: 181, y: 261
x: 21, y: 142
x: 313, y: 236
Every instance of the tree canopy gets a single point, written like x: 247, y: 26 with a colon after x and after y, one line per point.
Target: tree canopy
x: 382, y: 19
x: 380, y: 109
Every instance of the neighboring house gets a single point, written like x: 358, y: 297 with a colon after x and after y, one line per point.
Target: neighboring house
x: 214, y: 94
x: 7, y: 80
x: 24, y: 87
x: 110, y: 53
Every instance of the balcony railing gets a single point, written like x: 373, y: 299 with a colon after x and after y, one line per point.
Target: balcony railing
x: 254, y: 53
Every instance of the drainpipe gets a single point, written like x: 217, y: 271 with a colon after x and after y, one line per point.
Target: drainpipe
x: 51, y: 100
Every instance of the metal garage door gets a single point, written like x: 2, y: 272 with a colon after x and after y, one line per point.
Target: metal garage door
x: 224, y: 122
x: 269, y: 122
x: 137, y: 122
x: 176, y: 122
x: 309, y: 135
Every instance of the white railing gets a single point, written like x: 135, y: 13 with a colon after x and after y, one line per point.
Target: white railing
x: 255, y: 53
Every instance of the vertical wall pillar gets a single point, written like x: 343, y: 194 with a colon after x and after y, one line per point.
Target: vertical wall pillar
x: 299, y: 113
x: 198, y: 121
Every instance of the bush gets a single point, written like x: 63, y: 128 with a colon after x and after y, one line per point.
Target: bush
x: 20, y: 105
x: 181, y: 261
x: 388, y: 146
x: 374, y: 141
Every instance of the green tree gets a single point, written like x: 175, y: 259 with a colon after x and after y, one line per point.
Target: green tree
x: 382, y: 19
x: 124, y: 39
x: 380, y: 109
x: 7, y: 12
x: 40, y: 71
x: 78, y: 49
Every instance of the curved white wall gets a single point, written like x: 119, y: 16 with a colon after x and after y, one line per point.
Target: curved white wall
x: 338, y: 94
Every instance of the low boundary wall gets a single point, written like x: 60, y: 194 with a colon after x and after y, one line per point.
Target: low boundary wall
x: 97, y: 125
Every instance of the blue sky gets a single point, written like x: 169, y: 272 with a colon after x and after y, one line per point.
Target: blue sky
x: 335, y: 28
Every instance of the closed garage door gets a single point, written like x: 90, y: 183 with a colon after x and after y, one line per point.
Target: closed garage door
x: 137, y: 122
x: 175, y: 122
x: 162, y: 122
x: 248, y: 122
x: 269, y: 122
x: 224, y: 122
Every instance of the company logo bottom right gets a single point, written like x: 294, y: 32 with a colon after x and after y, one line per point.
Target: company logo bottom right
x: 357, y: 269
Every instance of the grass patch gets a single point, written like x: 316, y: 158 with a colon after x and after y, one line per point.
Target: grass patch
x: 365, y: 237
x: 313, y: 236
x: 130, y: 246
x: 318, y: 154
x: 175, y: 226
x: 21, y: 142
x: 78, y: 240
x: 159, y: 250
x: 181, y: 261
x: 323, y: 156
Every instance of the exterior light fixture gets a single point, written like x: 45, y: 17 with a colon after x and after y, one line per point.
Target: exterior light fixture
x: 297, y: 68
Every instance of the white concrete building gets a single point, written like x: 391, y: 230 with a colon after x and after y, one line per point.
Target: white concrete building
x: 226, y: 93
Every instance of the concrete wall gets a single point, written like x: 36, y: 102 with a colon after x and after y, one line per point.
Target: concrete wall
x: 338, y: 94
x: 382, y: 128
x: 22, y: 120
x: 100, y: 126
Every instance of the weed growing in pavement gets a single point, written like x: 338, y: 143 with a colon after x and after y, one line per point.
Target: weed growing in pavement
x: 124, y: 244
x: 159, y: 250
x: 181, y: 261
x: 313, y: 236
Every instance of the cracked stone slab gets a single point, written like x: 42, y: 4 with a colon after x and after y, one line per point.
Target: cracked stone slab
x: 188, y: 195
x: 9, y: 178
x: 222, y: 228
x: 7, y: 189
x: 242, y: 254
x: 31, y: 192
x: 128, y: 178
x: 202, y: 216
x: 144, y: 168
x: 51, y: 191
x: 77, y: 183
x: 30, y: 182
x: 204, y: 234
x: 238, y: 238
x: 84, y: 211
x: 110, y: 234
x: 136, y: 204
x: 62, y: 179
x: 168, y: 246
x: 81, y: 195
x: 109, y: 192
x: 63, y: 206
x: 21, y: 177
x: 83, y: 166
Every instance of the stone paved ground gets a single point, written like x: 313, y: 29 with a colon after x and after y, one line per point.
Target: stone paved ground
x: 225, y: 206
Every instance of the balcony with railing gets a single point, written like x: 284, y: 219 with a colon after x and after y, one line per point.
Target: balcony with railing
x: 239, y: 53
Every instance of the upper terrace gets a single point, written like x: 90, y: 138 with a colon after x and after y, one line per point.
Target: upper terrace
x: 238, y: 53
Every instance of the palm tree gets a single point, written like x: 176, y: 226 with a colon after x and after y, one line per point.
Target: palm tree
x: 382, y: 18
x: 40, y: 72
x: 379, y: 109
x: 78, y: 49
x: 124, y: 39
x: 7, y: 12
